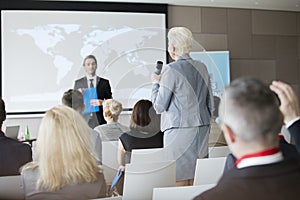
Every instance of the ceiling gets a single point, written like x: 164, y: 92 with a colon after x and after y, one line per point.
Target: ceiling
x: 285, y: 5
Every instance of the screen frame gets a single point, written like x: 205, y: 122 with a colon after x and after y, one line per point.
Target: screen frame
x: 77, y: 6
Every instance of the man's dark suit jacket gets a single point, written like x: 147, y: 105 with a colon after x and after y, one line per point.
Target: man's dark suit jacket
x: 294, y: 130
x: 288, y: 150
x: 103, y: 92
x: 279, y: 181
x: 13, y: 155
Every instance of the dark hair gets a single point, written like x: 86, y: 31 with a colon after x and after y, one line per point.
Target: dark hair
x: 89, y: 57
x: 74, y: 99
x: 140, y: 114
x: 2, y: 111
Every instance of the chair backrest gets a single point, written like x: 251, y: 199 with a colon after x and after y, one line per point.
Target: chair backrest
x: 109, y: 160
x: 219, y: 151
x: 179, y: 193
x: 147, y: 155
x: 110, y: 198
x: 141, y: 178
x: 11, y: 187
x: 209, y: 170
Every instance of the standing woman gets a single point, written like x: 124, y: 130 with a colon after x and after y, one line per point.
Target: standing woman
x: 182, y: 94
x: 64, y: 167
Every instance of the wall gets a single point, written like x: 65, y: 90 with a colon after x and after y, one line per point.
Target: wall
x: 264, y: 44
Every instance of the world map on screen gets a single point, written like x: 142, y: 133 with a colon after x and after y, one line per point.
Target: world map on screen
x: 48, y: 56
x: 48, y: 37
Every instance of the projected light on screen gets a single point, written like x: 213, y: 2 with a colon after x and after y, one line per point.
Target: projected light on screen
x: 42, y: 54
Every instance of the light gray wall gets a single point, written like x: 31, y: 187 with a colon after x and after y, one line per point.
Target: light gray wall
x: 264, y: 44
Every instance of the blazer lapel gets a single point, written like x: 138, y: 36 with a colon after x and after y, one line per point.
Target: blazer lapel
x: 84, y: 82
x: 98, y: 80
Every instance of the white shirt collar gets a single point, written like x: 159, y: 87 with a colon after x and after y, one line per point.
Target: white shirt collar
x: 91, y: 77
x: 261, y: 160
x: 288, y: 124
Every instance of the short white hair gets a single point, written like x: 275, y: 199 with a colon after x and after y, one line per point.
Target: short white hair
x: 181, y: 38
x: 251, y: 110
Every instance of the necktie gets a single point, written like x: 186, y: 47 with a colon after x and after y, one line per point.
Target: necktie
x: 91, y: 83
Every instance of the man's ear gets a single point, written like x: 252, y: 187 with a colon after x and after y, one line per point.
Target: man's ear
x: 228, y: 134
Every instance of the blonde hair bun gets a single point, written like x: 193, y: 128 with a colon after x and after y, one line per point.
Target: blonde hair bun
x: 112, y: 108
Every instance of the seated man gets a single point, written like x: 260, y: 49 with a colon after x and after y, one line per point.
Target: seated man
x: 74, y: 99
x: 251, y: 120
x: 290, y: 110
x: 13, y: 154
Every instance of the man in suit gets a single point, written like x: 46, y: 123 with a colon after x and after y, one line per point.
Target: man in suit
x: 251, y: 120
x: 290, y: 110
x: 13, y: 154
x: 102, y: 86
x: 74, y: 99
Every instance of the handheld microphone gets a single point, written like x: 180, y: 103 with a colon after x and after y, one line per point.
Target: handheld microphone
x: 158, y: 67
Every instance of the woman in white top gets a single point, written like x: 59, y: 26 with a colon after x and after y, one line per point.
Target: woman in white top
x: 64, y: 167
x: 113, y: 129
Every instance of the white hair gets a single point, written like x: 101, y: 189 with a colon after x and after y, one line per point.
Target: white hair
x: 251, y: 110
x: 181, y: 38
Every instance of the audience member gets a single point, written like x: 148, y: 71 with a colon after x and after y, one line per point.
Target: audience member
x: 251, y: 121
x: 64, y: 167
x: 289, y: 107
x: 13, y: 154
x: 144, y: 132
x: 182, y: 95
x: 74, y: 99
x: 113, y: 129
x: 91, y: 80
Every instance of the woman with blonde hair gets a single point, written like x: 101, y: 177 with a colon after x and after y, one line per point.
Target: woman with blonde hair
x: 113, y: 129
x: 64, y: 167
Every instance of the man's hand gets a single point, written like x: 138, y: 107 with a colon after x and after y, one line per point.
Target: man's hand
x: 96, y: 102
x: 288, y: 99
x: 81, y: 90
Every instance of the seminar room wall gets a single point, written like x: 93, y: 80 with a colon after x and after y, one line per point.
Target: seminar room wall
x: 262, y: 43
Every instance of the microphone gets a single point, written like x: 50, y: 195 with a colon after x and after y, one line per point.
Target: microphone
x: 158, y: 67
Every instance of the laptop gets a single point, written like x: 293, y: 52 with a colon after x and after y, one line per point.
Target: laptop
x: 12, y: 132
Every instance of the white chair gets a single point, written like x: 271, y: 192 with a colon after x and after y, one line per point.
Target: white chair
x: 110, y: 198
x: 219, y: 151
x: 109, y: 160
x: 209, y: 170
x: 141, y: 178
x: 11, y: 187
x: 147, y: 155
x: 179, y: 193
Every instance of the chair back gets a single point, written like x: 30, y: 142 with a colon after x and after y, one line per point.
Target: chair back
x: 109, y: 160
x: 147, y: 155
x: 11, y: 187
x: 180, y: 193
x: 141, y: 178
x: 209, y: 170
